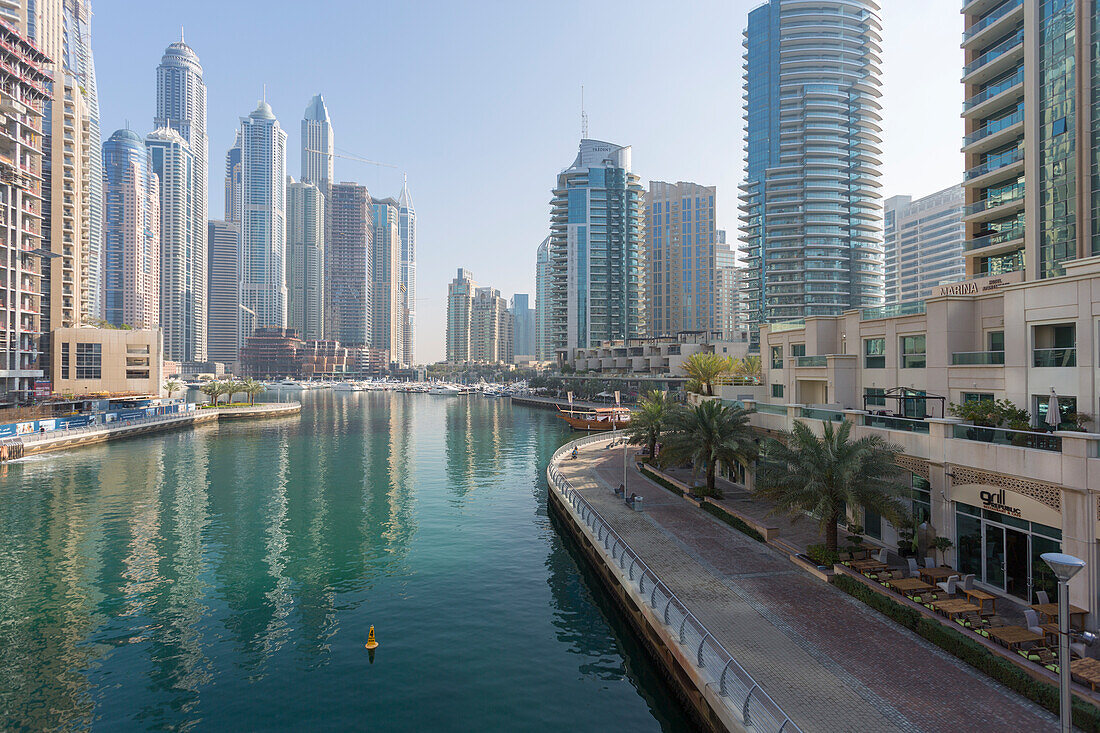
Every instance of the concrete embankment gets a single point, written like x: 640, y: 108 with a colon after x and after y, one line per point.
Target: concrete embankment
x: 26, y: 445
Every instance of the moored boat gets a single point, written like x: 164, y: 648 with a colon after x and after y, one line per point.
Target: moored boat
x: 598, y: 418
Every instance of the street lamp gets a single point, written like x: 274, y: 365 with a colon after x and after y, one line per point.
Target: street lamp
x: 1064, y: 567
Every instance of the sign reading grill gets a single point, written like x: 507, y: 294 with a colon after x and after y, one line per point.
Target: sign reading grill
x: 995, y: 501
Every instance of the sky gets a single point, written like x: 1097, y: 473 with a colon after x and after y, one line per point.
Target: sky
x: 479, y: 103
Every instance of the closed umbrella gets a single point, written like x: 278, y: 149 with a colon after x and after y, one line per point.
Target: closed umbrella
x: 1054, y: 414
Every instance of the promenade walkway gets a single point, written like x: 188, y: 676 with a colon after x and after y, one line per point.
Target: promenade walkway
x: 831, y: 663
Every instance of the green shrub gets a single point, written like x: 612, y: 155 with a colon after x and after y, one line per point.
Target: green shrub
x: 821, y: 556
x: 736, y: 522
x: 1085, y: 716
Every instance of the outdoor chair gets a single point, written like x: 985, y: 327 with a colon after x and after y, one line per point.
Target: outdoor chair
x: 929, y: 562
x: 914, y: 569
x: 974, y: 622
x: 1032, y: 620
x: 1042, y: 596
x: 949, y: 585
x: 881, y: 557
x: 968, y: 581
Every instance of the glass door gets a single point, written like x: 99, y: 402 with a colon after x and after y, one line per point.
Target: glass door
x: 1017, y: 575
x: 994, y: 544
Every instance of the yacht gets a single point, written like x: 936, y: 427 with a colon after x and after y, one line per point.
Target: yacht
x: 348, y: 387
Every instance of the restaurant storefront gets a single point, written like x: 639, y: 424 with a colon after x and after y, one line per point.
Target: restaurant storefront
x: 1000, y: 536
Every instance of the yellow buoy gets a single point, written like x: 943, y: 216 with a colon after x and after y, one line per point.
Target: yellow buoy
x: 371, y: 643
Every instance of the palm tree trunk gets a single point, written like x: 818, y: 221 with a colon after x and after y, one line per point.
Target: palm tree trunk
x: 830, y: 530
x: 710, y: 478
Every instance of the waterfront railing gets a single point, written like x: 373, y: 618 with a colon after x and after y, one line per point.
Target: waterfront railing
x: 741, y: 694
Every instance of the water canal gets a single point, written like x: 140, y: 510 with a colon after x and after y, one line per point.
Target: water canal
x: 225, y: 578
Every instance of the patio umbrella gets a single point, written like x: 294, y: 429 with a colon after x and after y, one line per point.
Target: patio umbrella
x: 1054, y: 415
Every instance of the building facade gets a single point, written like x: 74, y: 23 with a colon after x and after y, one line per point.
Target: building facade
x: 523, y: 327
x: 406, y: 213
x: 597, y: 233
x: 24, y: 94
x: 106, y: 360
x: 131, y: 233
x: 729, y: 314
x: 923, y: 243
x: 681, y: 259
x: 233, y: 182
x: 656, y: 356
x: 318, y: 145
x: 388, y: 293
x: 811, y: 213
x: 543, y: 340
x: 305, y: 248
x: 460, y: 297
x: 223, y: 241
x: 349, y: 305
x: 263, y: 222
x: 181, y: 107
x: 182, y: 274
x: 490, y: 328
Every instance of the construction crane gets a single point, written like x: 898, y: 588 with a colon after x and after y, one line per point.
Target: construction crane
x: 356, y: 158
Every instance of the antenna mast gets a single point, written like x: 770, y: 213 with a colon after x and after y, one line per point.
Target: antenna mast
x: 584, y: 117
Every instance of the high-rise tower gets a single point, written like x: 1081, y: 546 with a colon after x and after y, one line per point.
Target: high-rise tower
x: 318, y: 144
x: 460, y: 300
x: 131, y: 233
x: 263, y: 222
x: 811, y: 221
x: 349, y: 307
x: 407, y: 226
x: 305, y: 251
x: 597, y: 288
x: 387, y: 290
x: 233, y: 181
x: 223, y: 292
x: 543, y: 349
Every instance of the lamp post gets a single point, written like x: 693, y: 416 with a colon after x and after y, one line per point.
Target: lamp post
x: 1064, y: 567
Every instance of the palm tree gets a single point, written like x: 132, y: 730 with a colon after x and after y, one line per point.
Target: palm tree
x: 803, y: 473
x: 172, y: 386
x: 748, y: 367
x: 253, y: 388
x: 648, y: 421
x: 704, y: 369
x: 211, y: 389
x: 708, y: 435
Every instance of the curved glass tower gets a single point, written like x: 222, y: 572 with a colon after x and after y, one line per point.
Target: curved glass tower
x: 811, y: 212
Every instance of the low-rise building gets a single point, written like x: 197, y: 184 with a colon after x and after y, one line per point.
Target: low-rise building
x: 1001, y: 496
x: 655, y: 356
x: 106, y: 361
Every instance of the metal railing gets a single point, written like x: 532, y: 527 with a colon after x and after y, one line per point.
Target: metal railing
x: 741, y: 693
x: 820, y: 413
x: 905, y: 424
x: 1054, y: 357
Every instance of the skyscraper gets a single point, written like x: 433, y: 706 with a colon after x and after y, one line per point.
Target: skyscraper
x: 131, y: 233
x: 318, y: 144
x: 25, y: 84
x: 924, y: 243
x: 263, y: 222
x: 181, y: 106
x: 71, y: 165
x: 597, y: 286
x: 305, y: 248
x: 490, y: 327
x: 727, y: 288
x: 386, y: 287
x: 407, y: 217
x: 182, y: 273
x: 681, y: 261
x: 460, y: 298
x: 223, y: 292
x: 233, y: 181
x: 1032, y: 181
x: 543, y: 349
x: 811, y: 217
x: 349, y: 306
x: 523, y: 326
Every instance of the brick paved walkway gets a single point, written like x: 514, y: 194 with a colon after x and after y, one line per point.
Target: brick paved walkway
x: 830, y: 662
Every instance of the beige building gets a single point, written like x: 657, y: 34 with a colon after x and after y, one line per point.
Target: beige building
x: 460, y: 298
x: 490, y: 327
x: 97, y: 360
x: 1002, y: 496
x: 663, y: 355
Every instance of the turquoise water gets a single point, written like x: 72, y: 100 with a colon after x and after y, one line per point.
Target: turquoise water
x: 226, y: 577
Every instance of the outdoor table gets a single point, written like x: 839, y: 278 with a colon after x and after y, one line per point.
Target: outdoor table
x: 1014, y: 636
x: 952, y: 607
x: 1051, y: 631
x: 911, y: 585
x: 868, y: 566
x: 981, y: 597
x: 935, y: 575
x: 1050, y: 611
x: 1087, y: 670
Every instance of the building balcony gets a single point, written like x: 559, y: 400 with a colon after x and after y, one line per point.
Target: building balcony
x: 996, y: 60
x: 1004, y: 241
x: 1004, y: 94
x: 993, y: 23
x: 994, y: 134
x: 990, y: 172
x: 1065, y: 357
x: 981, y: 211
x: 1004, y: 436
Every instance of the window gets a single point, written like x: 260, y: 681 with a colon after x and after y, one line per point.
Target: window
x: 137, y: 374
x: 996, y: 340
x: 777, y: 357
x: 65, y: 360
x: 89, y: 359
x: 798, y: 350
x: 922, y: 498
x: 912, y: 352
x: 876, y: 397
x: 874, y: 353
x: 978, y: 396
x: 777, y: 390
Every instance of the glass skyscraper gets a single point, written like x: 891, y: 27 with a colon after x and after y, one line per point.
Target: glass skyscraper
x: 597, y: 278
x: 305, y: 250
x: 811, y: 222
x: 407, y: 220
x: 543, y: 350
x: 318, y: 145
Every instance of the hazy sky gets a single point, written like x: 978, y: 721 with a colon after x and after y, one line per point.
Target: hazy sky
x: 480, y: 103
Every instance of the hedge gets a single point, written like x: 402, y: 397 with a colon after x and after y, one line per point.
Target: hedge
x: 736, y: 522
x: 658, y: 480
x: 1085, y: 715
